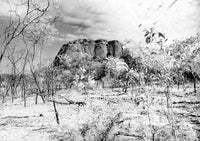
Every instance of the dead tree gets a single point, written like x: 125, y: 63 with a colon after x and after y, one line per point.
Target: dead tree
x: 50, y: 76
x: 14, y: 56
x: 23, y: 77
x: 18, y: 23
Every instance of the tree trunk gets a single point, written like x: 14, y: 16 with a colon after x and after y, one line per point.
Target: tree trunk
x: 178, y: 84
x: 24, y: 92
x: 56, y: 113
x: 38, y: 92
x: 55, y: 109
x: 12, y: 94
x: 36, y: 98
x: 1, y: 57
x: 4, y: 96
x: 195, y: 87
x: 48, y: 88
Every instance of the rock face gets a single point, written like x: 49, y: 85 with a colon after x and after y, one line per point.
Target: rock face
x: 115, y: 48
x: 100, y: 49
x: 94, y: 48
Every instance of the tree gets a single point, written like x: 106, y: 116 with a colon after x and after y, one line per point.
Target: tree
x: 19, y: 23
x: 35, y: 14
x: 186, y: 56
x: 35, y: 36
x: 50, y: 74
x: 23, y: 77
x: 14, y: 56
x: 78, y: 67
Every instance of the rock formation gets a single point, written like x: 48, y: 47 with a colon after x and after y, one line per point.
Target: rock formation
x: 93, y: 48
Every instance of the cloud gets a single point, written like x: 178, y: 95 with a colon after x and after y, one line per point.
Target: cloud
x: 80, y: 15
x: 119, y: 19
x: 81, y: 18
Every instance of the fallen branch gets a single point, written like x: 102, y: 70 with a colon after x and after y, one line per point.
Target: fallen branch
x: 121, y: 121
x: 69, y: 103
x: 39, y: 129
x: 57, y: 102
x: 186, y: 102
x: 177, y: 95
x: 119, y: 133
x: 15, y: 117
x: 73, y: 102
x: 68, y: 100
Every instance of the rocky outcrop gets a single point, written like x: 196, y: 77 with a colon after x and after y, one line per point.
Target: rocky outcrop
x: 100, y: 49
x: 115, y: 48
x: 94, y: 48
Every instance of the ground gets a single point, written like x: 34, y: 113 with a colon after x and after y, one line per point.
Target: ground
x: 107, y: 115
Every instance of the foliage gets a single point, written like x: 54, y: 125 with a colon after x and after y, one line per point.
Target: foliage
x: 186, y: 56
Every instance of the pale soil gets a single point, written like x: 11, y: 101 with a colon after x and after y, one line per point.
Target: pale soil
x: 37, y: 122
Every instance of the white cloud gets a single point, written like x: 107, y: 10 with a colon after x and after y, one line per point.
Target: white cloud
x: 119, y: 19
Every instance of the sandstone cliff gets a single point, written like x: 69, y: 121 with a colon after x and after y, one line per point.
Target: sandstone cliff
x: 94, y: 48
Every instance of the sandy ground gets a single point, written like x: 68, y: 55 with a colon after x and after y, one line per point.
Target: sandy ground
x: 144, y: 119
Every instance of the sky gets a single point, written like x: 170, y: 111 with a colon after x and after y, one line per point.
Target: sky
x: 120, y: 19
x: 117, y: 19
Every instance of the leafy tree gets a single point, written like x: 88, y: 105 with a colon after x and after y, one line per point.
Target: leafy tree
x: 186, y: 55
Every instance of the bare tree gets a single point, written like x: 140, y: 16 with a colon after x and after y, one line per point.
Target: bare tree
x: 36, y: 37
x: 14, y: 56
x: 17, y: 28
x: 19, y: 23
x: 23, y: 77
x: 35, y: 75
x: 50, y: 75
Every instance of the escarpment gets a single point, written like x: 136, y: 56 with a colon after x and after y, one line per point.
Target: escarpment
x: 99, y: 49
